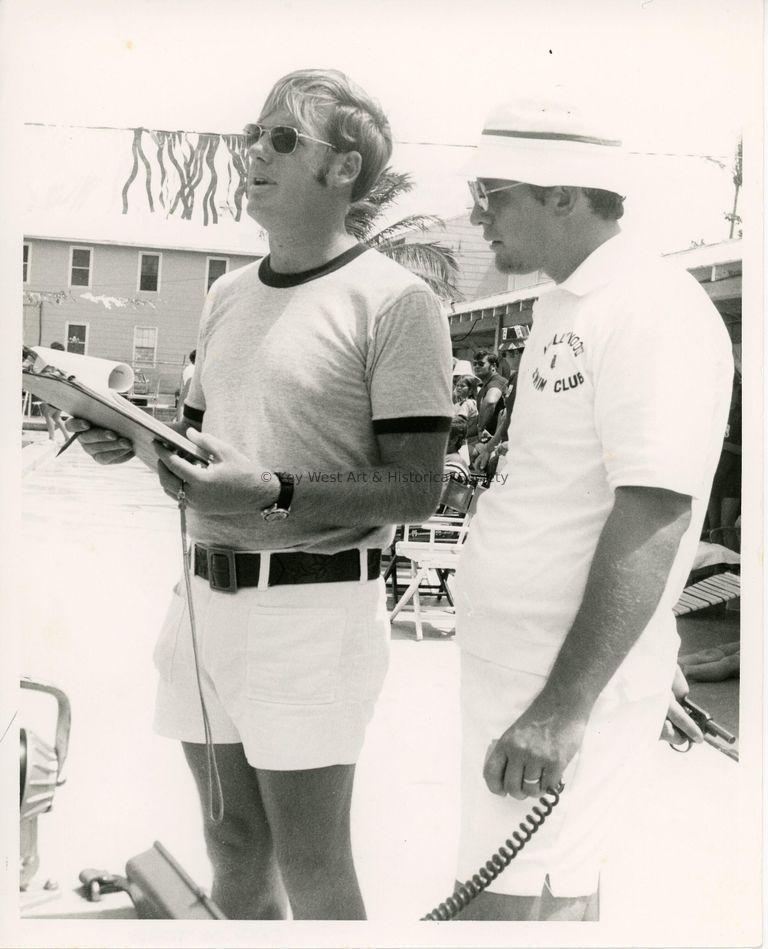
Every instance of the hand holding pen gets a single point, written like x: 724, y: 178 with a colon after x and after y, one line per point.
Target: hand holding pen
x: 67, y: 443
x: 104, y: 446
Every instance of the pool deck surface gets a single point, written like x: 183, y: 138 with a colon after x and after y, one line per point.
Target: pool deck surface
x: 101, y: 551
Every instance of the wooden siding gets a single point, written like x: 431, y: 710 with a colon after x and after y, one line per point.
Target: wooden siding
x: 477, y: 275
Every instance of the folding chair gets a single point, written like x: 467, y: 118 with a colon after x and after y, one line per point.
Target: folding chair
x: 434, y: 546
x: 155, y: 404
x: 390, y: 558
x: 454, y: 503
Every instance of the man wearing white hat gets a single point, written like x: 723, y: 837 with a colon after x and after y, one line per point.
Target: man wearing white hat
x: 565, y: 591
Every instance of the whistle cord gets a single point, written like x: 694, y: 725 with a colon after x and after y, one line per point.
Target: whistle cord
x: 215, y: 793
x: 500, y: 860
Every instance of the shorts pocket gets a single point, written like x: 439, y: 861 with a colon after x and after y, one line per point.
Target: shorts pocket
x: 294, y: 655
x: 370, y: 664
x: 165, y: 647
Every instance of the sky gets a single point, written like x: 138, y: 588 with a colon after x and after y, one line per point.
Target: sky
x: 673, y: 76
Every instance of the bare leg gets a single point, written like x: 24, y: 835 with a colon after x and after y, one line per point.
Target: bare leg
x: 731, y: 508
x: 308, y: 812
x: 494, y: 906
x: 713, y: 514
x: 246, y: 883
x: 542, y: 908
x: 579, y: 909
x: 48, y: 416
x: 58, y: 421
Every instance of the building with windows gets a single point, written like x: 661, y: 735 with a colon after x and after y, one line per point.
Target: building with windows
x: 138, y: 304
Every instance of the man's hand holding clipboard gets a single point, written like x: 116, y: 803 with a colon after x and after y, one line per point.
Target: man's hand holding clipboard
x: 230, y: 484
x: 89, y: 389
x: 103, y: 445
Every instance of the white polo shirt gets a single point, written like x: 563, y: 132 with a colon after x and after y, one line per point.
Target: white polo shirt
x: 625, y: 380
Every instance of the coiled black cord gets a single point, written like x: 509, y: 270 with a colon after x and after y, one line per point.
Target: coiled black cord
x: 500, y: 860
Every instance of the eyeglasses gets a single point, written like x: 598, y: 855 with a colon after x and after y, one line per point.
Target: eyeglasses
x: 283, y: 138
x: 480, y: 193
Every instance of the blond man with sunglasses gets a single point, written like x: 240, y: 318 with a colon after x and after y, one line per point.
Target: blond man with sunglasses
x: 322, y: 391
x: 565, y: 589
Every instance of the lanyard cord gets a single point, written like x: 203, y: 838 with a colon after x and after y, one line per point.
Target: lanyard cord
x: 215, y: 794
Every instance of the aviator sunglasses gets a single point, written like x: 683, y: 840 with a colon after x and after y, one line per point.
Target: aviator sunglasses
x: 480, y: 193
x: 283, y: 138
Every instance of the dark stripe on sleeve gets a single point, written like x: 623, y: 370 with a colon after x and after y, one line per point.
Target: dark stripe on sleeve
x: 414, y: 423
x: 193, y: 415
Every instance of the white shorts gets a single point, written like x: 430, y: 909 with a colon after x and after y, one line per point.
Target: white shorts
x: 291, y: 672
x: 568, y: 851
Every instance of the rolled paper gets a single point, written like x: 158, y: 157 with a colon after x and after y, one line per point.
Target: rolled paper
x: 90, y: 370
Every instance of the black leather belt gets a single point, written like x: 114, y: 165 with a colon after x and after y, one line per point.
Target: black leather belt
x: 227, y: 570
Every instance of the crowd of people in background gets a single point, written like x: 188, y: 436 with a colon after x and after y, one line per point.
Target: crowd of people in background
x: 484, y: 399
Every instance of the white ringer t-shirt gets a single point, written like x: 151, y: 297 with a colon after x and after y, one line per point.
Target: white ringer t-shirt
x: 301, y: 371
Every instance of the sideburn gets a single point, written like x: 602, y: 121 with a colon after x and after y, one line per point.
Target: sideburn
x: 321, y: 175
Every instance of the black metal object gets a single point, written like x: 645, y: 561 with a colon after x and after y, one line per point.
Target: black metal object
x: 40, y: 773
x: 161, y: 889
x: 714, y: 733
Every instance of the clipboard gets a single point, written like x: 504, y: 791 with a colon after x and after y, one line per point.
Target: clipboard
x: 108, y: 409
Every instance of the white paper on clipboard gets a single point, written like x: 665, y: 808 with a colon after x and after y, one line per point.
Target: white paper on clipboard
x: 84, y: 387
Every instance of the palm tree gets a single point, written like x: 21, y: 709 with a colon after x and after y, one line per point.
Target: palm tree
x: 433, y: 261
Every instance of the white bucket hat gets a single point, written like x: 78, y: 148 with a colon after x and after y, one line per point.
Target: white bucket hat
x: 547, y: 143
x: 463, y: 367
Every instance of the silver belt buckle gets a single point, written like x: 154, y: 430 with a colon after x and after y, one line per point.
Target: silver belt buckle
x: 228, y: 556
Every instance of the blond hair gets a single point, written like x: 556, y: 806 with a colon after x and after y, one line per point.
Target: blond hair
x: 329, y: 105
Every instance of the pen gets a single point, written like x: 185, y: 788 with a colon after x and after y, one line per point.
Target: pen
x: 67, y: 443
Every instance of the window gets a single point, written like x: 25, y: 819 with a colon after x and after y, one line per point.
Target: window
x: 144, y: 345
x: 149, y: 272
x: 216, y: 267
x: 80, y: 267
x: 77, y: 338
x: 25, y: 271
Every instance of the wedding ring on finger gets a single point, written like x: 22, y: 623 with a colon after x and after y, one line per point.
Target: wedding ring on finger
x: 531, y: 780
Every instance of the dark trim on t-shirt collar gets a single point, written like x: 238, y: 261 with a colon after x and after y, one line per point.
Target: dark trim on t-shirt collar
x: 272, y: 278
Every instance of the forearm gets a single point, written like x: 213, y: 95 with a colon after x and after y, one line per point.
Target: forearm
x: 500, y: 434
x: 627, y: 577
x: 403, y: 487
x: 386, y: 494
x: 181, y: 425
x: 484, y: 417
